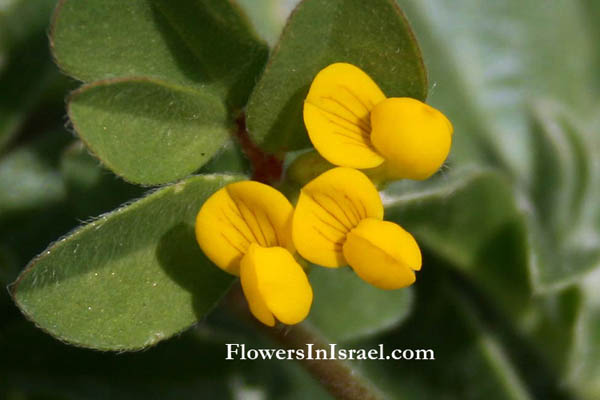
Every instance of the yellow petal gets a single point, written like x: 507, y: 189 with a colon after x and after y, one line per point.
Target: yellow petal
x: 336, y: 115
x: 329, y: 207
x: 412, y: 136
x: 383, y: 254
x: 275, y: 285
x: 240, y: 214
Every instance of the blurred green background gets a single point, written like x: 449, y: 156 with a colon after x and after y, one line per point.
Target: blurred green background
x: 510, y: 228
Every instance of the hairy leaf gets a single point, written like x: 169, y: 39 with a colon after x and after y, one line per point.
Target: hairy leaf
x: 488, y: 62
x: 475, y: 356
x: 165, y: 80
x: 148, y: 131
x: 372, y: 35
x: 130, y: 278
x: 202, y: 43
x: 471, y: 220
x: 562, y: 209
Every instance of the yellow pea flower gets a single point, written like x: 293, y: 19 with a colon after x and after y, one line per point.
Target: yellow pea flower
x: 338, y: 221
x: 352, y: 124
x: 245, y: 229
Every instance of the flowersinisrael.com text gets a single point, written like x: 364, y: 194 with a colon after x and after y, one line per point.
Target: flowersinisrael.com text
x: 237, y: 351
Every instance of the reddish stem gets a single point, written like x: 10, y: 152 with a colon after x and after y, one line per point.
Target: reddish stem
x: 266, y: 168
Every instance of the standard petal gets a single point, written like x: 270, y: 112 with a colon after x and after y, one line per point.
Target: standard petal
x: 329, y: 207
x: 240, y: 214
x: 337, y: 115
x: 275, y: 285
x: 383, y: 254
x: 414, y: 137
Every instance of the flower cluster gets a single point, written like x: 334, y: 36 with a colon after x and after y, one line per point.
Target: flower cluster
x: 251, y: 230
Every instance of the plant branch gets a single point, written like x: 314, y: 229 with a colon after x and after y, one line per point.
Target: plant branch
x: 266, y: 168
x: 336, y: 376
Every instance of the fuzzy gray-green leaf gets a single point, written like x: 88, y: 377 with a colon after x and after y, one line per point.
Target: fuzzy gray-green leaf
x: 146, y: 131
x: 202, y: 43
x: 470, y: 219
x: 130, y: 278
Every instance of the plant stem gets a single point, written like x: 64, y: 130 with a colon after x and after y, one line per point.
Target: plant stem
x: 266, y: 168
x: 336, y: 376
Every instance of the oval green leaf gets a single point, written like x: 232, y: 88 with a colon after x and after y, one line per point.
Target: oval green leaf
x: 202, y: 56
x: 201, y: 43
x: 130, y: 278
x: 373, y: 35
x: 148, y: 131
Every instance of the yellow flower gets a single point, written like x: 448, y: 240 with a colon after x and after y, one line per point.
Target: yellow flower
x: 339, y: 221
x: 352, y: 124
x: 245, y: 229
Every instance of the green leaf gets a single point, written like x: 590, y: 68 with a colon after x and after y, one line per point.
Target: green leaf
x: 176, y: 67
x: 226, y: 50
x: 148, y: 131
x: 372, y: 35
x: 554, y: 322
x: 474, y: 356
x: 346, y: 308
x: 562, y: 217
x: 561, y: 169
x: 487, y: 63
x: 48, y: 188
x: 130, y: 278
x: 486, y: 76
x: 201, y: 43
x: 470, y: 219
x: 99, y: 40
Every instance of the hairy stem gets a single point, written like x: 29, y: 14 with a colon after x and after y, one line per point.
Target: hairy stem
x: 336, y: 376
